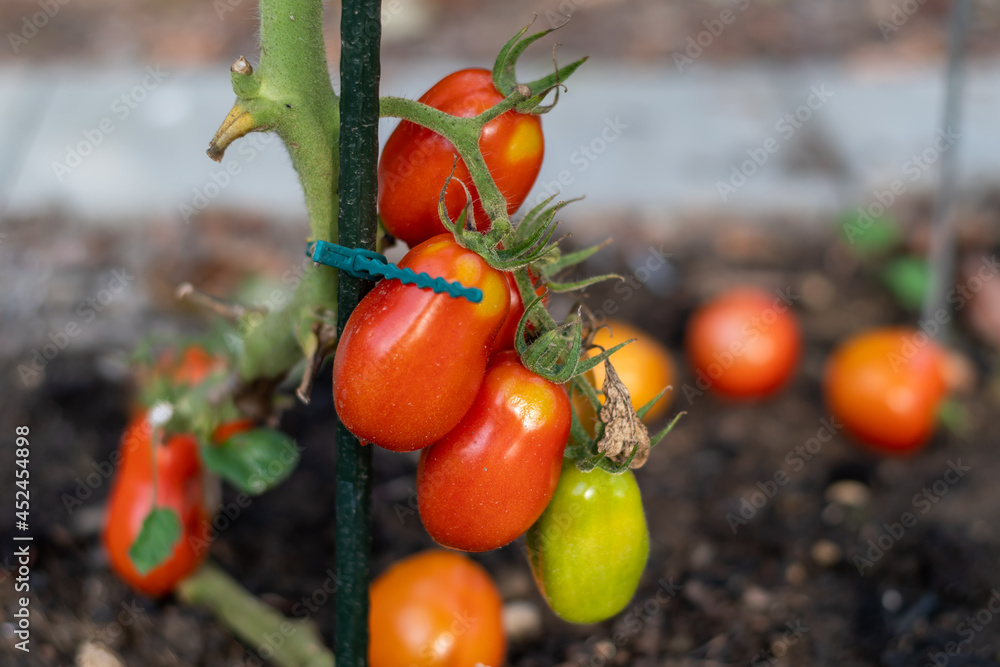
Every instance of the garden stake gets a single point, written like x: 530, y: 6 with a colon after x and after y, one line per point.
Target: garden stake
x: 360, y: 30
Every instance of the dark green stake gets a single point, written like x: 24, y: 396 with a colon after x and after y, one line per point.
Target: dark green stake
x: 360, y: 30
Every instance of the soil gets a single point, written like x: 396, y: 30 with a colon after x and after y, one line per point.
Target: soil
x: 781, y: 587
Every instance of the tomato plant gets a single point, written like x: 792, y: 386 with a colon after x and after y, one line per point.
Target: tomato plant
x: 491, y: 476
x: 416, y: 161
x: 644, y: 366
x: 589, y: 548
x: 409, y: 361
x: 886, y: 386
x: 179, y: 480
x: 744, y: 344
x: 438, y: 609
x: 505, y: 338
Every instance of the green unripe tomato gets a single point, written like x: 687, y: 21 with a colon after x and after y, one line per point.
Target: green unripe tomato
x: 589, y: 548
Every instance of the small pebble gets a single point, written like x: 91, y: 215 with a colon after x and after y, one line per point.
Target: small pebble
x: 756, y: 598
x: 849, y: 493
x: 818, y: 292
x: 702, y: 555
x: 796, y: 574
x: 522, y: 621
x: 892, y: 600
x: 92, y: 654
x: 826, y: 553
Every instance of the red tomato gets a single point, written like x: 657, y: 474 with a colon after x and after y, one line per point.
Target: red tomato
x: 491, y: 477
x: 179, y: 487
x: 410, y: 361
x: 436, y: 609
x: 192, y: 368
x: 886, y: 385
x: 416, y: 162
x: 744, y: 344
x: 505, y: 339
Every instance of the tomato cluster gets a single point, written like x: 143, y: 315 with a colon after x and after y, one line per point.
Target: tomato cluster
x: 417, y: 370
x: 157, y: 470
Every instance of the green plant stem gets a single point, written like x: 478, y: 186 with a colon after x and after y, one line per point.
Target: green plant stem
x: 290, y: 94
x: 253, y: 621
x: 359, y: 110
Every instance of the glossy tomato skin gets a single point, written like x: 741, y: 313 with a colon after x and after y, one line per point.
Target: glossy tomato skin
x: 886, y: 385
x: 645, y: 366
x: 745, y: 343
x: 590, y: 546
x: 490, y: 478
x: 410, y: 361
x: 436, y: 609
x: 179, y: 487
x: 416, y: 162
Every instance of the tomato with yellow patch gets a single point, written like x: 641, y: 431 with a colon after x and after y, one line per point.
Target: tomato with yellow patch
x: 410, y: 361
x: 416, y: 162
x: 490, y: 478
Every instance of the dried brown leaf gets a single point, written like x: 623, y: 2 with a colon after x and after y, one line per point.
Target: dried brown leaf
x: 624, y: 432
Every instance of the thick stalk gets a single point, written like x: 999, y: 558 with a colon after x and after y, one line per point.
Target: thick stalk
x: 290, y: 94
x: 359, y: 110
x: 255, y: 622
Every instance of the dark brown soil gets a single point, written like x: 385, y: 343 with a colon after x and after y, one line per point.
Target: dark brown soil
x: 710, y: 595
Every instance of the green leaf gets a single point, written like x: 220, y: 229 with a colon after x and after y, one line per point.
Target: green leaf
x: 572, y: 259
x: 161, y: 530
x: 641, y: 412
x: 656, y: 439
x: 908, y: 279
x: 869, y: 235
x: 580, y: 284
x: 253, y: 461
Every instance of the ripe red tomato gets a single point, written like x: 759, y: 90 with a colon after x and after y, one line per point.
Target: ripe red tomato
x: 416, y: 162
x: 886, y: 385
x: 410, y: 361
x: 436, y: 609
x: 491, y: 477
x: 505, y: 339
x: 179, y: 487
x: 744, y: 344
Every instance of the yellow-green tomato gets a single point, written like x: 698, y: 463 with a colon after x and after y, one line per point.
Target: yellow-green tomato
x: 588, y: 549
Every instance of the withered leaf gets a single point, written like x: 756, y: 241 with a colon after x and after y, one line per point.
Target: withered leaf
x: 624, y: 432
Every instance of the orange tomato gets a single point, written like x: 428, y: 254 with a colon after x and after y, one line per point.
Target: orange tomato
x: 744, y: 344
x: 436, y: 609
x: 886, y: 385
x: 644, y: 366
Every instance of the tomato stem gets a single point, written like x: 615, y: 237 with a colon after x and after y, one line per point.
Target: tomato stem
x: 254, y: 621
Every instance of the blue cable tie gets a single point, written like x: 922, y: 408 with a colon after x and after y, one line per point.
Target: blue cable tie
x: 367, y: 265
